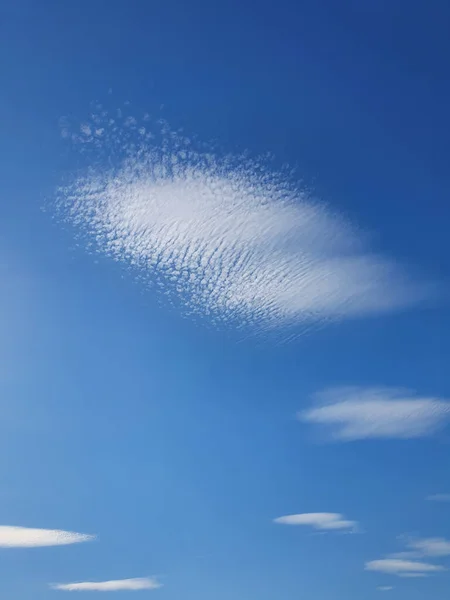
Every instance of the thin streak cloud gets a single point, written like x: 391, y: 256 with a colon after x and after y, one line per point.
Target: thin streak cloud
x: 431, y: 546
x: 355, y: 413
x: 25, y: 537
x: 439, y: 498
x: 118, y: 585
x: 227, y: 238
x: 322, y: 521
x: 403, y: 568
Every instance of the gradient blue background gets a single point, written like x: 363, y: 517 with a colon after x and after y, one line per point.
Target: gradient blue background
x: 176, y: 444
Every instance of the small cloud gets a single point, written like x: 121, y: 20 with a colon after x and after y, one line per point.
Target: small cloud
x: 322, y: 521
x: 356, y: 413
x: 431, y: 547
x: 408, y: 563
x: 385, y: 588
x: 439, y: 498
x: 142, y: 583
x: 25, y: 537
x: 402, y: 568
x: 85, y: 129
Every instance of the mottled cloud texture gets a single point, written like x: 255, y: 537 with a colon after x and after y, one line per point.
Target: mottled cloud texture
x: 225, y: 237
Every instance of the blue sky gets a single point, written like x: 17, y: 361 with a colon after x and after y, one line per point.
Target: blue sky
x: 222, y: 373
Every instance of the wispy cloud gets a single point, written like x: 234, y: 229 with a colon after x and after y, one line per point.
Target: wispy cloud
x: 385, y: 588
x: 405, y: 564
x: 25, y: 537
x: 355, y: 413
x: 227, y: 236
x: 431, y: 546
x: 322, y: 521
x: 143, y: 583
x: 403, y: 568
x: 439, y: 498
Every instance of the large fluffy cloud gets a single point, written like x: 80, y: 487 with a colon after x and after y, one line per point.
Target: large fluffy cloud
x: 225, y: 237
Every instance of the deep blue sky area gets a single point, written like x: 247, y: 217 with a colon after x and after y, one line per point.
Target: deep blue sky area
x: 174, y: 442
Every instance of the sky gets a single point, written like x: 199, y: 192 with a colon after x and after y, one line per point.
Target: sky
x: 223, y: 236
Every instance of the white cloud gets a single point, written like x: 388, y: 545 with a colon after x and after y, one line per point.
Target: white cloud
x: 322, y: 521
x: 385, y: 588
x: 439, y: 498
x: 354, y: 413
x: 25, y: 537
x: 143, y: 583
x: 402, y: 568
x: 225, y: 237
x: 406, y: 564
x: 431, y: 546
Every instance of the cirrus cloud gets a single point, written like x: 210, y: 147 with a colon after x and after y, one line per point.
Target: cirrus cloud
x: 136, y: 584
x: 356, y: 413
x: 322, y: 521
x: 402, y: 568
x: 26, y: 537
x: 430, y: 547
x: 225, y: 237
x: 439, y: 498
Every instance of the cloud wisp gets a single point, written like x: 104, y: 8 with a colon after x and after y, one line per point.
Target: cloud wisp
x: 320, y: 521
x: 409, y: 563
x: 439, y: 498
x: 118, y: 585
x: 430, y: 547
x: 403, y: 568
x: 355, y: 413
x: 224, y: 237
x: 385, y: 588
x: 26, y: 537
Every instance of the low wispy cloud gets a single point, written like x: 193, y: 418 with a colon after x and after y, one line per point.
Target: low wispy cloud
x: 439, y: 498
x: 403, y: 568
x: 406, y: 564
x: 385, y: 588
x: 26, y: 537
x: 224, y: 237
x: 430, y: 547
x: 356, y: 413
x: 142, y: 583
x: 321, y: 521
